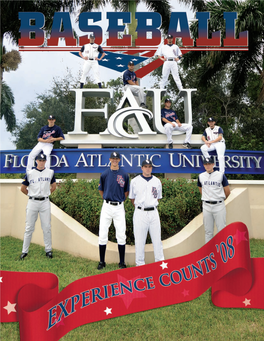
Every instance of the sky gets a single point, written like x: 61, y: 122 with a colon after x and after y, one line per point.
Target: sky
x: 35, y: 73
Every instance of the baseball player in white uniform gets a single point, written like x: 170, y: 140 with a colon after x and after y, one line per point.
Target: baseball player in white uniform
x: 170, y: 54
x: 114, y: 189
x: 89, y: 52
x: 214, y: 140
x: 38, y: 184
x: 47, y: 136
x: 145, y: 193
x: 214, y: 188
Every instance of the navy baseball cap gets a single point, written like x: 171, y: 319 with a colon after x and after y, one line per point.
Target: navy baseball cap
x: 51, y: 117
x: 146, y: 162
x: 167, y: 100
x: 131, y: 63
x: 92, y: 36
x: 208, y: 160
x: 41, y: 156
x: 211, y: 119
x: 115, y: 155
x: 169, y: 36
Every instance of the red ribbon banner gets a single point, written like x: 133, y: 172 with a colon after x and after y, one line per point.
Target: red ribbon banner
x: 224, y: 264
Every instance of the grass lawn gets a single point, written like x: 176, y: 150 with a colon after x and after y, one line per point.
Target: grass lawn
x: 195, y: 320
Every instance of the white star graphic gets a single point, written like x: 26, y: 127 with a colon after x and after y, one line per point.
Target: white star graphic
x: 134, y: 60
x: 105, y: 60
x: 10, y: 307
x: 108, y: 311
x: 119, y: 58
x: 164, y: 265
x: 247, y: 302
x: 120, y: 65
x: 1, y: 279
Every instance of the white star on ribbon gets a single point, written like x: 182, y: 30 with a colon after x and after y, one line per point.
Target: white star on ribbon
x: 164, y: 265
x: 105, y: 60
x: 108, y: 311
x: 119, y: 58
x: 1, y: 279
x: 10, y: 307
x: 120, y: 65
x: 247, y: 302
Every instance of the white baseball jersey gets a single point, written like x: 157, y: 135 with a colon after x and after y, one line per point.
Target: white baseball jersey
x: 212, y: 134
x: 212, y: 186
x: 39, y: 182
x: 170, y: 51
x: 91, y: 50
x: 145, y: 193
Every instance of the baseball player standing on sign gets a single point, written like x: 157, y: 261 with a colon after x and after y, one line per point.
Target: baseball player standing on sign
x: 38, y: 184
x: 89, y: 52
x: 46, y: 137
x: 171, y: 122
x: 145, y: 193
x: 214, y: 188
x: 170, y: 54
x: 114, y: 189
x: 213, y: 140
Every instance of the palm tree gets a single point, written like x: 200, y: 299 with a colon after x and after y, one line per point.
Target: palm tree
x: 250, y: 17
x: 7, y: 111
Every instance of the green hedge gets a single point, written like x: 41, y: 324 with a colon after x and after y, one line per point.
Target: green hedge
x: 181, y: 202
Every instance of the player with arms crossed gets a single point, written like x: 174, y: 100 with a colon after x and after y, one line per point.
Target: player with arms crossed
x: 47, y: 136
x: 114, y: 189
x: 170, y: 54
x: 170, y: 121
x: 214, y: 188
x: 145, y: 193
x: 213, y: 140
x: 38, y: 184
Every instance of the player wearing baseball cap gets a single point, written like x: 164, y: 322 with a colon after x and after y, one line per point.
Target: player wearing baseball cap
x: 89, y: 52
x: 145, y: 193
x: 114, y: 189
x: 130, y: 82
x: 47, y: 136
x: 214, y: 140
x: 170, y: 121
x: 214, y: 188
x: 170, y: 54
x: 38, y: 184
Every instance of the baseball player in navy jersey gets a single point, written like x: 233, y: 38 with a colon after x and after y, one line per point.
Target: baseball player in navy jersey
x: 145, y: 193
x: 213, y: 140
x: 130, y: 81
x: 38, y: 184
x: 214, y: 188
x: 89, y: 52
x: 46, y: 137
x: 171, y: 122
x: 170, y: 54
x: 114, y: 189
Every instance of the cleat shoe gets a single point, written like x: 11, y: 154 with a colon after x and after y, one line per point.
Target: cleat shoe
x: 49, y: 254
x: 143, y: 105
x: 185, y: 145
x: 189, y: 146
x: 23, y: 255
x: 101, y: 265
x: 122, y: 265
x: 171, y: 146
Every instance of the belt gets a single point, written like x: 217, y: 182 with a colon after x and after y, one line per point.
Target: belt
x: 170, y: 59
x: 40, y: 199
x: 91, y: 58
x: 213, y: 202
x: 146, y: 208
x: 115, y: 203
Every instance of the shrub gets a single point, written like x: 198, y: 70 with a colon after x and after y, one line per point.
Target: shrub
x: 181, y: 202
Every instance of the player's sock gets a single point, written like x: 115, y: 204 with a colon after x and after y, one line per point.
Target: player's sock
x: 102, y: 249
x: 121, y: 249
x: 100, y: 85
x: 81, y: 85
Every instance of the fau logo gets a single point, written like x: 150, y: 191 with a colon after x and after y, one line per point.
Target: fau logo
x: 154, y: 192
x: 120, y: 180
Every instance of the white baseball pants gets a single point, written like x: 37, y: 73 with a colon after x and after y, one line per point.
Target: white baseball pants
x: 137, y: 91
x: 220, y: 148
x: 34, y: 208
x: 144, y: 221
x: 213, y: 214
x: 169, y: 128
x: 40, y: 146
x: 170, y: 66
x: 88, y: 64
x: 117, y: 214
